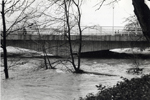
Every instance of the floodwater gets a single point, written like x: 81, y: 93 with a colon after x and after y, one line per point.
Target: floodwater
x: 29, y: 82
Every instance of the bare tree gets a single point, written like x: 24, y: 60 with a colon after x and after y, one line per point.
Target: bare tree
x: 72, y: 26
x: 4, y: 41
x: 44, y: 48
x: 67, y: 6
x: 132, y: 25
x: 9, y: 11
x: 131, y: 22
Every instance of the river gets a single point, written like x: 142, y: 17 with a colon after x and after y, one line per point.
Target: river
x: 29, y: 82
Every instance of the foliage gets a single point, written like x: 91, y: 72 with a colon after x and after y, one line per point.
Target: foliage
x: 134, y: 89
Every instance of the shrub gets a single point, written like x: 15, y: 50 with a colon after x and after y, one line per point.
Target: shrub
x: 134, y: 89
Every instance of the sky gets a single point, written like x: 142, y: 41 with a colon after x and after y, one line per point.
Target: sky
x: 106, y: 15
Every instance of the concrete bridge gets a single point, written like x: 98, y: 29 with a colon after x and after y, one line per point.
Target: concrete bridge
x: 58, y: 44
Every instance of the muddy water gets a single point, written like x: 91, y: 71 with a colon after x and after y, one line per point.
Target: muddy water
x: 27, y: 82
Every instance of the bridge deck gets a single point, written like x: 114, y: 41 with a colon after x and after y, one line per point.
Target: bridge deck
x: 58, y: 44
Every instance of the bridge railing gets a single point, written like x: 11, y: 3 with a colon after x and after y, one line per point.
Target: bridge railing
x: 100, y: 33
x: 87, y: 30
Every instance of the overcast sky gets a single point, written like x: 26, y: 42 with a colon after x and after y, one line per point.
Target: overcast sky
x: 104, y: 16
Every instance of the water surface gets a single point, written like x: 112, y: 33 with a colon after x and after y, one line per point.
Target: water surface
x: 28, y: 82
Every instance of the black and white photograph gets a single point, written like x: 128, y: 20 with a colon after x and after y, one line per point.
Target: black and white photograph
x: 75, y: 50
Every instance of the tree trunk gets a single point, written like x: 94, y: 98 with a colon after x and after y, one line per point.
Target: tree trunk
x: 142, y: 12
x: 4, y: 41
x: 80, y: 36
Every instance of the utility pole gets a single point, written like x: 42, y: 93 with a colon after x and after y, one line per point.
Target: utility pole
x: 113, y: 18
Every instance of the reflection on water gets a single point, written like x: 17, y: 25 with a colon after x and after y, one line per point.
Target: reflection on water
x: 62, y: 85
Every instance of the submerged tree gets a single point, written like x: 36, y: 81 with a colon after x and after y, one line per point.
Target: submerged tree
x: 47, y: 62
x: 4, y: 41
x: 16, y: 9
x: 77, y: 18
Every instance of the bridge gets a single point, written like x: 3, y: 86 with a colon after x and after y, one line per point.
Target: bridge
x: 58, y: 44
